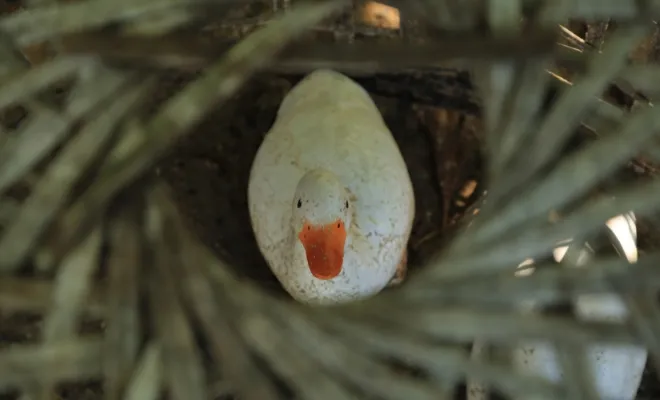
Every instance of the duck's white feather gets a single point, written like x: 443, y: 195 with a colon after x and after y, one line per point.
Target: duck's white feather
x: 328, y: 121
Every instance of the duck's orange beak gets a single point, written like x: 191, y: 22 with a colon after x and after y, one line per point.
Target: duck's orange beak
x: 324, y: 247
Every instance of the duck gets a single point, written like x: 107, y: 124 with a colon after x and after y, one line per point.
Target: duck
x: 617, y: 370
x: 330, y: 199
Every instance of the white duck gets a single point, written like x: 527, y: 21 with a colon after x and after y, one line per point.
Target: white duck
x: 330, y: 197
x: 617, y: 370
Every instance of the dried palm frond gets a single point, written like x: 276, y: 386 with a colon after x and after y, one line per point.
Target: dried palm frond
x: 89, y: 231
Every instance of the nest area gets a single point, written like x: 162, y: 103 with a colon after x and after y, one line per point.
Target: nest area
x: 209, y: 172
x: 116, y: 157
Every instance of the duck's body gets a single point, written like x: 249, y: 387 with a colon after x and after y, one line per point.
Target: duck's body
x: 329, y: 175
x: 616, y: 369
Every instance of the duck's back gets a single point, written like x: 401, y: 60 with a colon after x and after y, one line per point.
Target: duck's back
x: 328, y: 121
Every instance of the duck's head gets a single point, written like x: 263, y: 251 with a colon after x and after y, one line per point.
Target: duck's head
x: 321, y: 220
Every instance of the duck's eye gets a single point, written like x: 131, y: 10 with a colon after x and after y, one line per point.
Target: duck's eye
x: 346, y: 204
x: 299, y: 203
